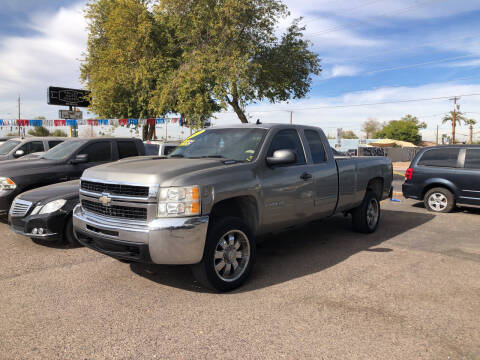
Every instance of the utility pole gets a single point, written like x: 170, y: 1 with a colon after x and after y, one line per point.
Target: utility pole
x: 454, y: 117
x: 291, y: 117
x: 19, y: 114
x: 436, y: 141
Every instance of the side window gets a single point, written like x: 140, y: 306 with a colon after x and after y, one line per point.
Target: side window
x: 98, y: 151
x: 168, y: 149
x: 472, y: 159
x: 288, y: 139
x: 443, y: 157
x: 36, y: 146
x: 316, y: 146
x: 53, y: 143
x: 25, y: 147
x: 126, y: 149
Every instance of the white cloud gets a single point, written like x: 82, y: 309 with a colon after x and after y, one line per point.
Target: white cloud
x: 50, y: 57
x: 340, y: 70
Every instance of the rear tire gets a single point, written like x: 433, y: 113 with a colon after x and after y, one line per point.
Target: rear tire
x: 228, y: 256
x: 440, y: 200
x: 365, y: 218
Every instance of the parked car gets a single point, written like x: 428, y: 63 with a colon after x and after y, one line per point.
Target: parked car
x: 443, y: 176
x: 160, y: 148
x: 45, y: 213
x: 64, y: 162
x: 205, y: 203
x: 17, y: 147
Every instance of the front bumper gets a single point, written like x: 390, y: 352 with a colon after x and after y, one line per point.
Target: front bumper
x: 161, y: 241
x: 51, y: 224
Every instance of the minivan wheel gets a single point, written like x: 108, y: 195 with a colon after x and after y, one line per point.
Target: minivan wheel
x: 439, y: 200
x: 365, y: 218
x: 228, y: 256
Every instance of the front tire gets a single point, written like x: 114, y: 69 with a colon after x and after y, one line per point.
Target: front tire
x: 365, y: 218
x: 228, y: 256
x: 439, y: 200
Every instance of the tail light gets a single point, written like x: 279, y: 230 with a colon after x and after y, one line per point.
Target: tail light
x: 408, y: 174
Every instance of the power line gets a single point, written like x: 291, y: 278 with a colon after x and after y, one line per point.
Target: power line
x: 359, y: 105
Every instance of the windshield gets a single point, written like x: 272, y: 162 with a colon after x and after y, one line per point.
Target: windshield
x: 232, y: 144
x: 63, y: 150
x: 7, y: 146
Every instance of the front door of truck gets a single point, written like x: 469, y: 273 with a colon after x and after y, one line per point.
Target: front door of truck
x: 287, y: 190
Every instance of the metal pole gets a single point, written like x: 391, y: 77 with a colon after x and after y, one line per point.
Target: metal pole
x: 437, y: 136
x: 19, y: 115
x: 291, y: 117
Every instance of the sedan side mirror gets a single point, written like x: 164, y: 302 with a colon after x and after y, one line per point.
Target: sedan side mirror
x: 80, y: 159
x: 282, y: 157
x: 19, y: 153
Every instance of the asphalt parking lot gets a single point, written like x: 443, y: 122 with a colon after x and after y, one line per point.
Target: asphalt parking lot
x: 409, y: 291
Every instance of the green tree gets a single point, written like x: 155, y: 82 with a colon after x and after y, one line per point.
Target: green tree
x: 405, y: 129
x: 39, y: 131
x: 458, y: 121
x: 192, y: 57
x: 349, y: 134
x: 370, y: 127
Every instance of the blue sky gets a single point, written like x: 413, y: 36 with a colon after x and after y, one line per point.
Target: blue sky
x: 372, y: 51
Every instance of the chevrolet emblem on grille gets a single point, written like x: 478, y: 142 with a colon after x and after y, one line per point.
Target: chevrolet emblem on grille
x: 105, y: 199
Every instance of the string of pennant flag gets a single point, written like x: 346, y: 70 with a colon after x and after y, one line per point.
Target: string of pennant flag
x: 95, y: 122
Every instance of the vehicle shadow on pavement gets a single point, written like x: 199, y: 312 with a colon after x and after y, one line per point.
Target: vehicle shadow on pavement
x: 299, y: 252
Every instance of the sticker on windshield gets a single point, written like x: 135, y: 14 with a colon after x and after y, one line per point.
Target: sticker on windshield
x: 188, y: 141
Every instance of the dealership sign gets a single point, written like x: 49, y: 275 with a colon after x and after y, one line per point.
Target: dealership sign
x: 68, y: 97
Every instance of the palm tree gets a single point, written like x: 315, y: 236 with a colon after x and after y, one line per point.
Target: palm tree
x: 470, y: 122
x: 458, y: 116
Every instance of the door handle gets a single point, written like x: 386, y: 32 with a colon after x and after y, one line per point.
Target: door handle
x: 306, y: 176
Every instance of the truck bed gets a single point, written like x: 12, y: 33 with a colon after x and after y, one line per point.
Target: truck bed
x: 354, y: 173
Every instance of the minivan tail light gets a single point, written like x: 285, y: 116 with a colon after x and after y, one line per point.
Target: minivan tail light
x: 408, y: 174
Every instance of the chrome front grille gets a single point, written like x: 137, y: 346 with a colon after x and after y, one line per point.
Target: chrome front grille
x: 115, y: 189
x: 20, y: 208
x: 124, y: 212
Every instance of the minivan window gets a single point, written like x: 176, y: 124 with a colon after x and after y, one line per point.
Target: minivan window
x: 472, y: 159
x: 316, y: 146
x: 442, y: 157
x: 126, y: 149
x: 7, y: 146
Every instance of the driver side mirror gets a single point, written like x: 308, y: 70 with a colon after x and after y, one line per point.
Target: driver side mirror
x: 19, y: 153
x: 282, y: 157
x: 80, y: 159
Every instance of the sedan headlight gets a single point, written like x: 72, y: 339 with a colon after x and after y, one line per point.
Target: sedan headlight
x: 7, y: 184
x: 50, y: 207
x: 179, y: 201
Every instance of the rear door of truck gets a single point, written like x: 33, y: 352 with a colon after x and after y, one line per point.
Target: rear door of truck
x: 322, y: 167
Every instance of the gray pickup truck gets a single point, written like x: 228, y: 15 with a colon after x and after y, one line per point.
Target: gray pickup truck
x: 206, y: 202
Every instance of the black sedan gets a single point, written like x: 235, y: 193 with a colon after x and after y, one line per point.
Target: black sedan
x: 45, y: 213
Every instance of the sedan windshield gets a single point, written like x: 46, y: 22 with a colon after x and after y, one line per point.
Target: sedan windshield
x: 7, y: 146
x: 239, y: 144
x: 64, y: 150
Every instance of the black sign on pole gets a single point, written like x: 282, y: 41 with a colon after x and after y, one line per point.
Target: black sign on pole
x: 68, y: 97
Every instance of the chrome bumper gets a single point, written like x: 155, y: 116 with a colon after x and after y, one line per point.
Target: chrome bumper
x: 170, y: 241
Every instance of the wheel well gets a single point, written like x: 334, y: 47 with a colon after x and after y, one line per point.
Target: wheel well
x: 376, y: 185
x: 437, y: 185
x: 243, y: 207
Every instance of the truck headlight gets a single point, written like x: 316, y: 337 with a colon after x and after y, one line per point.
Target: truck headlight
x: 50, y: 207
x: 179, y: 201
x: 7, y: 184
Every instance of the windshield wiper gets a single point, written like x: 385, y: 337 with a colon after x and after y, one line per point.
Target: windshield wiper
x: 176, y: 156
x: 207, y: 156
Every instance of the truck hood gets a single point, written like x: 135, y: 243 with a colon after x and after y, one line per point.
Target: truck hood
x: 13, y: 168
x: 66, y: 190
x: 149, y: 170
